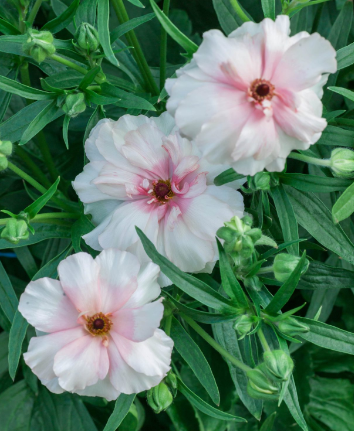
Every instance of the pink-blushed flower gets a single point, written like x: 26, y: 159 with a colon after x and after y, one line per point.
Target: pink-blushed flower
x: 100, y: 324
x: 143, y: 173
x: 250, y: 98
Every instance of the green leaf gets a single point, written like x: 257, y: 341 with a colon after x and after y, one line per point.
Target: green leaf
x: 130, y: 25
x: 47, y: 115
x: 338, y: 36
x: 81, y: 227
x: 205, y: 407
x: 227, y: 177
x: 327, y: 336
x: 103, y: 30
x: 227, y: 16
x: 344, y: 206
x: 343, y: 92
x: 194, y: 357
x: 98, y: 99
x: 65, y: 79
x: 268, y: 423
x: 17, y: 335
x: 27, y: 261
x: 66, y: 130
x: 43, y: 231
x: 200, y: 316
x: 120, y: 411
x: 173, y: 31
x: 33, y: 209
x: 136, y: 3
x: 286, y: 217
x: 335, y: 136
x: 62, y: 21
x: 7, y: 28
x: 8, y: 298
x: 50, y: 269
x: 229, y: 281
x: 188, y: 284
x: 281, y: 247
x: 86, y: 12
x: 312, y: 214
x: 345, y: 56
x: 89, y: 78
x: 96, y: 116
x: 15, y: 87
x: 315, y: 183
x: 284, y: 294
x: 321, y: 276
x: 126, y: 100
x: 268, y: 7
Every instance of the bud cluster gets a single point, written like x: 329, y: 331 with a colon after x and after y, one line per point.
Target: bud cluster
x: 262, y: 181
x: 266, y: 380
x: 39, y: 44
x: 15, y: 230
x: 87, y: 41
x: 161, y: 396
x: 243, y: 325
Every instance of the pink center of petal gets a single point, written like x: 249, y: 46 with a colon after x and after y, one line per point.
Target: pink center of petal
x: 261, y: 89
x: 162, y: 190
x: 98, y: 324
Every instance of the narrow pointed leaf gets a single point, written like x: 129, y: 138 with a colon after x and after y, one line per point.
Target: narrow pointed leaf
x: 344, y: 206
x: 33, y: 209
x: 89, y: 78
x: 17, y: 335
x: 268, y: 7
x: 8, y: 298
x: 66, y: 130
x: 120, y: 411
x: 14, y: 87
x: 130, y: 25
x: 62, y: 21
x: 103, y: 30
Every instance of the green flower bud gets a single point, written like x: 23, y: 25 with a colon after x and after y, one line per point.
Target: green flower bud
x: 74, y: 104
x: 159, y: 398
x: 39, y: 44
x: 260, y: 386
x: 291, y: 327
x: 6, y: 148
x: 3, y: 162
x: 87, y: 38
x: 255, y: 234
x: 244, y: 324
x: 172, y: 383
x: 278, y: 365
x: 227, y: 234
x: 261, y: 181
x: 284, y: 265
x: 342, y: 163
x: 15, y: 230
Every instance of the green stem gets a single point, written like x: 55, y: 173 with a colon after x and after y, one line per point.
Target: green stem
x: 168, y: 324
x: 69, y: 63
x: 34, y: 11
x: 46, y: 217
x: 32, y: 165
x: 137, y: 52
x: 307, y: 159
x: 163, y: 47
x: 266, y: 270
x: 239, y: 11
x: 263, y: 340
x: 43, y: 147
x: 214, y: 344
x: 36, y: 185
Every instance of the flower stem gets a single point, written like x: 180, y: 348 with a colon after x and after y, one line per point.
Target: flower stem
x: 214, y: 344
x: 69, y: 63
x: 239, y: 11
x: 36, y: 185
x: 46, y: 217
x: 32, y: 165
x: 163, y: 47
x: 137, y: 52
x: 307, y: 159
x: 263, y: 340
x: 34, y: 11
x: 266, y: 270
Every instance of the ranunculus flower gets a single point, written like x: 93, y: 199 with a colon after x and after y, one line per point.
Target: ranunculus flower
x: 251, y: 98
x: 143, y: 173
x: 100, y: 324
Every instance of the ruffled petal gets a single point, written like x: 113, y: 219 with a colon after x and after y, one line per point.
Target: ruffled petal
x: 85, y: 188
x: 79, y: 278
x: 46, y: 307
x: 103, y: 388
x: 118, y: 272
x: 81, y: 363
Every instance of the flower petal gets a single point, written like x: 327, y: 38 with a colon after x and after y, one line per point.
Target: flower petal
x: 103, y: 388
x: 118, y: 272
x: 138, y: 324
x: 46, y: 307
x: 81, y: 363
x: 151, y: 357
x: 79, y: 278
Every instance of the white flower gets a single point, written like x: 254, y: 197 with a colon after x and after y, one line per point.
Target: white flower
x: 142, y: 173
x: 251, y: 98
x: 100, y: 324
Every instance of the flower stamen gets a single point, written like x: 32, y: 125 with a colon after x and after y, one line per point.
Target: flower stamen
x: 261, y: 89
x: 162, y: 191
x: 98, y: 324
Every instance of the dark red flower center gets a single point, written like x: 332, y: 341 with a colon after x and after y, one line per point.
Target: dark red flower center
x: 98, y: 324
x: 261, y: 89
x: 162, y: 190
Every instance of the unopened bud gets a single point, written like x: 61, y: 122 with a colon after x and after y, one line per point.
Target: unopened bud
x: 244, y: 324
x: 15, y: 230
x: 227, y: 234
x: 160, y: 397
x: 278, y: 365
x: 6, y: 148
x: 260, y: 386
x: 261, y: 181
x: 39, y: 44
x: 74, y: 104
x: 87, y: 38
x: 342, y: 163
x: 284, y: 265
x: 291, y: 326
